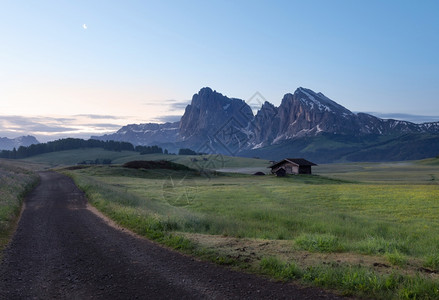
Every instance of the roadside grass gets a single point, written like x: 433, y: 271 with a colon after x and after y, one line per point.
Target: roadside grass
x: 152, y: 219
x: 396, y: 258
x: 432, y: 261
x: 353, y: 280
x: 16, y: 180
x: 319, y: 243
x: 395, y: 219
x: 360, y: 281
x: 276, y: 268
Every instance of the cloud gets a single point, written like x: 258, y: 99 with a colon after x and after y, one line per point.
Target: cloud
x: 173, y: 105
x: 84, y: 26
x: 92, y: 116
x: 103, y: 126
x: 35, y: 124
x: 172, y: 118
x: 28, y: 121
x: 406, y: 117
x: 50, y: 128
x: 179, y: 105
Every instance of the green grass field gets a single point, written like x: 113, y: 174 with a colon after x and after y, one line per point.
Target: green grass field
x: 408, y: 172
x: 72, y: 157
x: 365, y: 229
x: 383, y: 213
x: 16, y: 179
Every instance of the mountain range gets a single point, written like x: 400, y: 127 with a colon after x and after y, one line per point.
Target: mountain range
x: 305, y: 124
x: 10, y: 144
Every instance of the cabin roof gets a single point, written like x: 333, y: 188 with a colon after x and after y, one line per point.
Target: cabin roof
x: 294, y: 161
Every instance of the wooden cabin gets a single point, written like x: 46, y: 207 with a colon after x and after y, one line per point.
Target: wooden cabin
x: 292, y: 166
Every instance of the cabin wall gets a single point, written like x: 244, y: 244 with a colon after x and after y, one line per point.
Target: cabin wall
x: 288, y: 167
x: 305, y: 170
x: 293, y: 169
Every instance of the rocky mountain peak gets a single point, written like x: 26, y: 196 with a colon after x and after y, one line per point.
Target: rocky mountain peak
x: 209, y: 111
x: 205, y: 90
x: 319, y: 101
x: 227, y: 125
x: 25, y: 141
x: 267, y: 111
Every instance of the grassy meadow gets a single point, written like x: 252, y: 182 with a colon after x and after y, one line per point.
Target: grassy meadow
x: 72, y: 157
x: 16, y: 179
x: 213, y: 162
x: 364, y: 229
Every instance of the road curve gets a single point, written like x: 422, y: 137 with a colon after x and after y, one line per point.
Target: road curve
x: 61, y: 250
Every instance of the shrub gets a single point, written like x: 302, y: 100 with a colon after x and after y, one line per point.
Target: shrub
x: 319, y: 243
x: 379, y: 245
x: 432, y: 261
x: 274, y: 267
x: 396, y: 258
x: 419, y: 288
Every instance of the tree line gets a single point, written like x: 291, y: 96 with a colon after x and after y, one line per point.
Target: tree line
x: 73, y: 143
x: 149, y: 149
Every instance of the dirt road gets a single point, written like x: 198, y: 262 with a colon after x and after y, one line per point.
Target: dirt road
x: 61, y: 250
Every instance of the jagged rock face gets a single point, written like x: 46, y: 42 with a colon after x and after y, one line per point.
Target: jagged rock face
x: 215, y: 123
x: 265, y: 127
x: 307, y: 113
x: 227, y: 125
x: 10, y: 144
x: 144, y: 134
x: 209, y: 111
x: 374, y: 125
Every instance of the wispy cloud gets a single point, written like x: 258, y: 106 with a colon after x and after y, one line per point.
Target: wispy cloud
x: 50, y: 128
x: 35, y: 124
x: 172, y: 118
x: 92, y: 116
x: 180, y: 106
x: 406, y: 117
x: 103, y: 126
x: 171, y: 104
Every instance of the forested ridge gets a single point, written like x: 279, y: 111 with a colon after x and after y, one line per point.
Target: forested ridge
x: 73, y: 143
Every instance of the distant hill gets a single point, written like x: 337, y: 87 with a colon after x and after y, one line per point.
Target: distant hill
x: 305, y: 124
x: 72, y: 143
x: 10, y: 144
x: 327, y: 148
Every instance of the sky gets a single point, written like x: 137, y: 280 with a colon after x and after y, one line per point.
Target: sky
x: 81, y: 68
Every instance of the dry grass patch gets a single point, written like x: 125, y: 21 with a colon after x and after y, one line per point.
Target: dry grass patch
x: 252, y: 251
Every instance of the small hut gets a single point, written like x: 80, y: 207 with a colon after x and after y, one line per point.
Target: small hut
x: 292, y: 166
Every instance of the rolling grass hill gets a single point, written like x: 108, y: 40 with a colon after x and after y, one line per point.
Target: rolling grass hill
x: 327, y: 148
x: 73, y: 157
x: 213, y: 162
x: 410, y: 172
x: 430, y: 161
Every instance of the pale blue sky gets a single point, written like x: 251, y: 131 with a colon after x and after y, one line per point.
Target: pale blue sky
x: 134, y: 57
